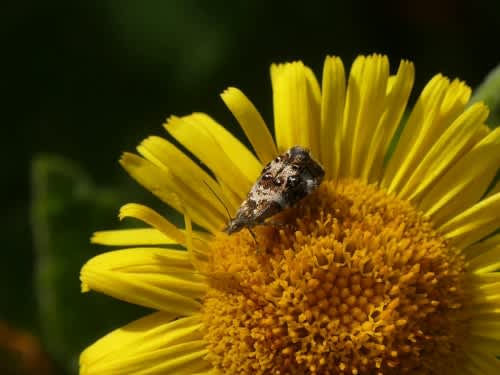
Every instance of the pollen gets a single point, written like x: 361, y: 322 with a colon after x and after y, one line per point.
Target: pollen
x: 349, y: 281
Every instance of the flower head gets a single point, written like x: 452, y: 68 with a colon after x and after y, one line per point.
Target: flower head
x: 387, y: 268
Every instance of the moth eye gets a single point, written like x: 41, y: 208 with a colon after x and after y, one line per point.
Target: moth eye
x: 267, y: 176
x: 292, y: 181
x: 278, y: 181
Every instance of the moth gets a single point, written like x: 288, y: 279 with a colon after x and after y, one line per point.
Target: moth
x: 283, y: 182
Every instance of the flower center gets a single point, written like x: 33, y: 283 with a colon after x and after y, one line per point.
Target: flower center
x: 351, y: 281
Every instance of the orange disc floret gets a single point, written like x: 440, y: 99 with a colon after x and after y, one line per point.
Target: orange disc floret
x: 352, y: 281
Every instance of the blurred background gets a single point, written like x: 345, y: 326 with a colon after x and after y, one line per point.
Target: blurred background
x: 86, y: 80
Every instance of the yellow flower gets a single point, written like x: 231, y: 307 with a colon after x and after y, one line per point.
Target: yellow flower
x: 388, y: 268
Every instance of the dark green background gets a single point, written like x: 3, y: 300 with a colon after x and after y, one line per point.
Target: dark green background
x: 86, y: 80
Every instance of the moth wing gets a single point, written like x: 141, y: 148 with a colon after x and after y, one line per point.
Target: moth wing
x: 268, y: 208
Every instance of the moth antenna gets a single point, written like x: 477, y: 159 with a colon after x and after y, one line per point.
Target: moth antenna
x: 219, y: 199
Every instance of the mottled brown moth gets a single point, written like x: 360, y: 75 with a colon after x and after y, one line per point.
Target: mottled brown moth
x: 283, y: 182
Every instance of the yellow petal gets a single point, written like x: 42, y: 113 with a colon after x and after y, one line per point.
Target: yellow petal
x: 173, y: 261
x: 466, y: 182
x: 313, y: 97
x: 157, y: 221
x: 151, y: 345
x: 142, y: 276
x: 475, y: 223
x: 487, y: 295
x: 332, y: 112
x: 152, y: 218
x: 480, y: 325
x: 398, y: 90
x: 296, y: 102
x: 495, y: 189
x: 351, y: 110
x: 138, y: 236
x: 198, y: 259
x: 455, y: 101
x: 162, y: 184
x: 133, y: 290
x: 128, y: 338
x: 483, y: 280
x: 483, y: 345
x: 482, y: 363
x: 491, y: 331
x: 455, y: 141
x: 226, y: 157
x: 252, y: 124
x: 482, y: 248
x: 246, y: 161
x: 185, y: 358
x: 438, y: 106
x: 174, y: 359
x: 212, y: 371
x: 192, y: 181
x: 371, y: 80
x: 286, y: 132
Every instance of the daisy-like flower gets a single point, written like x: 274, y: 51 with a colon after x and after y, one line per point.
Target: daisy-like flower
x: 389, y: 267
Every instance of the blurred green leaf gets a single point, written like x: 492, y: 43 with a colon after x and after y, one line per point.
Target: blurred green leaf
x: 489, y: 92
x: 66, y: 209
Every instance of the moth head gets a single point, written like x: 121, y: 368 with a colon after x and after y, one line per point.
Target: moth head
x: 235, y: 225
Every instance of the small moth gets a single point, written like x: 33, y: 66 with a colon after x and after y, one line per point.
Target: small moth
x: 283, y: 182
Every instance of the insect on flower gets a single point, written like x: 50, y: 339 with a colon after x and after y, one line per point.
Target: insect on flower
x: 283, y: 182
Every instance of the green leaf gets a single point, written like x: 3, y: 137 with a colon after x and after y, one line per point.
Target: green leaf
x: 66, y: 209
x: 489, y: 92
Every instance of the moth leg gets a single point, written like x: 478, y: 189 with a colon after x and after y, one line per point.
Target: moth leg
x: 254, y: 238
